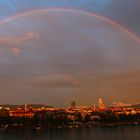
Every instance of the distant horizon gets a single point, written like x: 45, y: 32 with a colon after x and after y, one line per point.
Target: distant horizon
x: 113, y: 104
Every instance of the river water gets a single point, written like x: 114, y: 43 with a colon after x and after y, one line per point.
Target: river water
x: 98, y: 133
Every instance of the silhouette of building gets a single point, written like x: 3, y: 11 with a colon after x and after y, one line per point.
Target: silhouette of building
x: 73, y: 105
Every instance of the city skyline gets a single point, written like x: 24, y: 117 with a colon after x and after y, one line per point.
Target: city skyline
x: 74, y: 104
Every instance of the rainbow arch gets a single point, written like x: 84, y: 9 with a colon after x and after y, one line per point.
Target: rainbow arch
x: 105, y: 19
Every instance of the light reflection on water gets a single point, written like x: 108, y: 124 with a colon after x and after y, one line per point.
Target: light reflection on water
x: 99, y: 133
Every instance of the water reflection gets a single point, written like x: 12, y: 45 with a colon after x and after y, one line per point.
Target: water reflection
x: 99, y: 133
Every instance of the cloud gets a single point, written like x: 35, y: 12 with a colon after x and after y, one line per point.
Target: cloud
x: 18, y: 40
x: 55, y: 81
x: 15, y: 51
x: 120, y: 104
x: 30, y: 36
x: 14, y: 42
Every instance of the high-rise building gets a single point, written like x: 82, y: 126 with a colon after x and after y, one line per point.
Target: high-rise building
x: 94, y: 106
x: 73, y: 105
x: 25, y: 106
x: 101, y: 104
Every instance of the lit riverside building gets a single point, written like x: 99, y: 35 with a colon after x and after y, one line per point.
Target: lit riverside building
x: 101, y: 104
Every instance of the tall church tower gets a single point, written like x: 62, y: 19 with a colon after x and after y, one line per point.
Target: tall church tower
x: 101, y: 104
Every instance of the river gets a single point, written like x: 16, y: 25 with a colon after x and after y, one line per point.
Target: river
x: 96, y: 133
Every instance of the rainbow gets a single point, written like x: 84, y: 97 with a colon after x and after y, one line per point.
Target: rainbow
x: 105, y: 19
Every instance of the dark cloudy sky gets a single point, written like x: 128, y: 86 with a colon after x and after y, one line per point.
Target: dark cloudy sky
x: 55, y: 56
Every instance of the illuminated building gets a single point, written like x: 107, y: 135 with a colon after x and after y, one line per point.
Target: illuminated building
x: 101, y: 104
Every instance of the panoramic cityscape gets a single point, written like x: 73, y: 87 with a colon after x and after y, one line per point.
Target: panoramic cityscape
x: 39, y: 117
x: 69, y: 69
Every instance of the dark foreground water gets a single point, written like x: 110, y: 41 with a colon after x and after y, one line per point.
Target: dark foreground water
x: 98, y: 133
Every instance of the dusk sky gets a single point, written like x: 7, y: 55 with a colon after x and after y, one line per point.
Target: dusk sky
x: 57, y: 51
